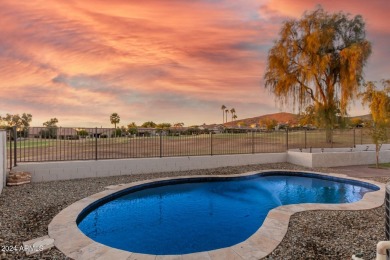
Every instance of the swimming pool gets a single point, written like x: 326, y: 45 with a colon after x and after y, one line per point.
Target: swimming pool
x: 190, y: 215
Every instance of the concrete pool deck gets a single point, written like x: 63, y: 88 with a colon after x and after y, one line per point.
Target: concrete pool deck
x: 363, y: 171
x: 73, y: 243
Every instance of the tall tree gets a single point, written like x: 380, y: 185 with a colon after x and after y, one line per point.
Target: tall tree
x: 11, y: 120
x: 235, y: 116
x: 308, y: 117
x: 223, y: 107
x: 269, y: 123
x: 51, y: 123
x: 51, y: 131
x: 379, y: 104
x: 226, y: 113
x: 319, y: 60
x: 163, y: 125
x: 26, y: 120
x: 132, y: 125
x: 232, y: 111
x: 149, y: 124
x: 21, y: 122
x: 356, y: 122
x: 132, y: 128
x: 115, y: 119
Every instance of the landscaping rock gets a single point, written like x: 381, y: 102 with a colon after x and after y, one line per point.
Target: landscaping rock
x: 18, y: 178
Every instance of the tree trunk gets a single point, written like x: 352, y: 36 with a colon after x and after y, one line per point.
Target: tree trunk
x: 377, y: 148
x: 329, y: 125
x: 329, y: 135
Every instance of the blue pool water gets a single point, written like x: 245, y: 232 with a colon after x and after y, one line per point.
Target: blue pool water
x: 204, y: 214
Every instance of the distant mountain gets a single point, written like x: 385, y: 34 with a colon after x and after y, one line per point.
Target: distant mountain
x: 367, y: 117
x: 282, y: 118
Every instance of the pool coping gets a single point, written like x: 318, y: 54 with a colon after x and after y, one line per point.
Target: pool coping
x: 74, y: 244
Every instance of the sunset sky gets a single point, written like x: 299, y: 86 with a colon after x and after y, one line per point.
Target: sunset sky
x: 159, y: 60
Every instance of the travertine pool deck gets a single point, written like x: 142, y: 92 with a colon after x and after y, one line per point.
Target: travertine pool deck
x: 363, y: 171
x: 74, y: 244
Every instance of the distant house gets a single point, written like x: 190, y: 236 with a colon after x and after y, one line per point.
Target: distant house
x: 281, y: 126
x: 309, y: 127
x: 35, y: 132
x: 255, y: 125
x: 65, y: 133
x: 93, y: 132
x: 214, y: 128
x: 180, y: 129
x: 106, y: 132
x: 146, y: 131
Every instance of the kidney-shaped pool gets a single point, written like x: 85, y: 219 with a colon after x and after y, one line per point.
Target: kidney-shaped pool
x: 200, y: 214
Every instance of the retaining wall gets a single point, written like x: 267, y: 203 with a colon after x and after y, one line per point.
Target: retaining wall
x: 334, y: 159
x: 50, y: 171
x: 3, y: 159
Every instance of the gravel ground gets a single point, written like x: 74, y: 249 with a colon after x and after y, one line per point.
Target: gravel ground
x: 26, y: 211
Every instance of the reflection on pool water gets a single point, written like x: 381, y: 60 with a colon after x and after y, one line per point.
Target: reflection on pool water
x: 204, y: 214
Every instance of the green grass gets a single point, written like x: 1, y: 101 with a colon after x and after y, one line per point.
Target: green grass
x: 381, y: 166
x: 31, y: 143
x: 387, y: 165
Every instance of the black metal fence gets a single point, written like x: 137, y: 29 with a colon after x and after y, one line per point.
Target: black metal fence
x: 387, y: 217
x: 38, y: 144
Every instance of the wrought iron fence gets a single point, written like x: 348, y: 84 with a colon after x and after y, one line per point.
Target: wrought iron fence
x: 387, y: 217
x: 37, y: 144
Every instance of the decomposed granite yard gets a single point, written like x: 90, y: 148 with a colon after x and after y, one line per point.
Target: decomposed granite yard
x: 26, y: 211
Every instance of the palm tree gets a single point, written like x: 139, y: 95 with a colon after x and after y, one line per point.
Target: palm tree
x: 235, y: 116
x: 232, y: 111
x: 226, y: 112
x: 115, y: 119
x: 223, y: 113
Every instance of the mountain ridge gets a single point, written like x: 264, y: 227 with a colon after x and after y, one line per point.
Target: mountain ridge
x: 281, y: 118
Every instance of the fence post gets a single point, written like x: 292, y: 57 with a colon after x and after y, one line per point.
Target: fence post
x: 60, y: 139
x: 96, y: 144
x: 286, y: 139
x: 211, y: 143
x: 253, y: 141
x: 354, y: 138
x: 305, y: 138
x: 160, y: 144
x: 15, y: 146
x: 10, y: 149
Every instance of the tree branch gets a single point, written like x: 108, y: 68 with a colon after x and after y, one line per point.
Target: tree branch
x: 308, y: 90
x: 320, y: 89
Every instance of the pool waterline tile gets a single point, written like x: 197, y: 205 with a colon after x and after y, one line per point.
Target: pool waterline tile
x: 73, y: 243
